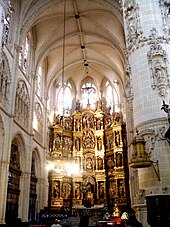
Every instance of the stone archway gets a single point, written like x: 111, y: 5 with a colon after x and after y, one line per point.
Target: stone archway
x: 13, y: 190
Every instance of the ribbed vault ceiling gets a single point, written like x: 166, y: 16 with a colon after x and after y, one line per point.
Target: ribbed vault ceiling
x: 96, y: 25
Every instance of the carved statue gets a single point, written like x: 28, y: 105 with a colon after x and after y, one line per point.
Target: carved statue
x: 78, y: 105
x: 77, y: 144
x: 98, y: 124
x: 89, y: 164
x: 99, y: 143
x: 101, y: 190
x: 56, y: 190
x: 88, y: 121
x: 78, y: 125
x: 121, y: 188
x: 57, y: 142
x: 77, y: 191
x: 100, y: 163
x: 132, y: 21
x: 110, y: 163
x: 166, y: 108
x: 112, y: 189
x: 119, y: 160
x: 117, y: 138
x: 160, y: 72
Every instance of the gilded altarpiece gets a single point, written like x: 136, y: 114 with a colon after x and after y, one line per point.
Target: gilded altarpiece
x: 94, y: 141
x: 116, y: 165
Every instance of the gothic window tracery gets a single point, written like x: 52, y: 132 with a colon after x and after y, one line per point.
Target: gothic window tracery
x: 6, y: 21
x: 5, y: 78
x: 24, y: 54
x: 22, y: 104
x: 112, y: 99
x: 38, y: 118
x: 88, y: 95
x: 65, y: 98
x: 39, y: 80
x: 165, y: 7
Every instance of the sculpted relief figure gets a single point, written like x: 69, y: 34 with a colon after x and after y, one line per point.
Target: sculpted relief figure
x: 78, y: 124
x: 56, y: 190
x: 132, y: 21
x: 88, y: 121
x: 57, y: 142
x: 112, y: 189
x: 159, y: 72
x: 88, y: 139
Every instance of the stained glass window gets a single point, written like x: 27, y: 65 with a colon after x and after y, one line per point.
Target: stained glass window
x: 88, y: 95
x: 23, y: 55
x: 65, y: 98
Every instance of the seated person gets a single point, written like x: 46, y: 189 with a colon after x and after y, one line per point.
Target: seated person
x: 130, y: 219
x: 57, y: 223
x: 115, y: 218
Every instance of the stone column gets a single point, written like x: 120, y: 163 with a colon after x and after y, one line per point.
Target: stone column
x: 4, y: 183
x: 4, y: 165
x: 24, y: 196
x: 147, y: 31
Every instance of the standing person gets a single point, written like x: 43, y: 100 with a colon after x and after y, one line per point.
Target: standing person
x: 57, y: 223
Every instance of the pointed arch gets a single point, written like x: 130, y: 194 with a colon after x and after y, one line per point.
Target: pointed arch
x: 13, y: 191
x: 22, y: 103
